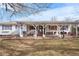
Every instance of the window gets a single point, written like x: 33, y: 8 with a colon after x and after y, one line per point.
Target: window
x: 6, y: 27
x: 31, y: 27
x: 53, y: 27
x: 64, y: 27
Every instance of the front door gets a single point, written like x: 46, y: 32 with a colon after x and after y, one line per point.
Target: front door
x: 40, y: 30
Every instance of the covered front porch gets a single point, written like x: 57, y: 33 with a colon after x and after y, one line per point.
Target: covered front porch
x: 43, y: 30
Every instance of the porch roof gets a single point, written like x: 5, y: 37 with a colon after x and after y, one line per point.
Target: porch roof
x: 48, y: 22
x: 31, y: 22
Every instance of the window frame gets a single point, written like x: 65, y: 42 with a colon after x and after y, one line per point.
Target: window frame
x: 6, y: 27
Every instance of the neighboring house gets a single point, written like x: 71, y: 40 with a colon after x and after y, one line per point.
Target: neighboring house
x: 8, y: 28
x: 43, y: 29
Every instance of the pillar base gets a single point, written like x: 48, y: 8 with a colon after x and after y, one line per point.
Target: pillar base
x: 43, y: 35
x: 21, y: 35
x: 35, y: 36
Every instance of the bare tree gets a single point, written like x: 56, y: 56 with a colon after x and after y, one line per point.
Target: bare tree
x: 54, y: 18
x: 29, y: 8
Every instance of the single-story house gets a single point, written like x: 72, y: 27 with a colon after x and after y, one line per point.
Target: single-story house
x: 42, y: 29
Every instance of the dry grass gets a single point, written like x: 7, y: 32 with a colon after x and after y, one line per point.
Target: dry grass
x: 39, y: 47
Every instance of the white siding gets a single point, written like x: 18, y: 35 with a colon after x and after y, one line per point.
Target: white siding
x: 13, y: 27
x: 8, y: 32
x: 0, y: 27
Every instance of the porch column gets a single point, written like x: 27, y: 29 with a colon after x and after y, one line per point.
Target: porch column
x: 58, y: 30
x: 35, y: 34
x: 76, y: 31
x: 44, y: 31
x: 20, y: 33
x: 19, y: 29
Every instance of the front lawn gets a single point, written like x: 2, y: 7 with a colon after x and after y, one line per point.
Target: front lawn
x: 40, y: 47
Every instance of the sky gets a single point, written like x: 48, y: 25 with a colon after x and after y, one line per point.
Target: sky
x: 59, y: 11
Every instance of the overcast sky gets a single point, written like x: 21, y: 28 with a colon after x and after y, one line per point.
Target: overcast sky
x: 58, y: 10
